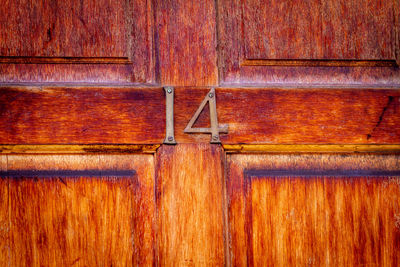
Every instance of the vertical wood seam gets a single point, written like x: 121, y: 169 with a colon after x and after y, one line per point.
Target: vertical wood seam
x: 396, y: 10
x: 225, y: 207
x: 9, y: 215
x: 155, y: 53
x: 218, y: 44
x: 248, y: 208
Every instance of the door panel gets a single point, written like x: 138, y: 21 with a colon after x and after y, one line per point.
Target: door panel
x: 190, y: 205
x: 81, y: 209
x: 112, y: 37
x: 309, y: 42
x: 314, y: 209
x: 186, y: 34
x: 331, y: 30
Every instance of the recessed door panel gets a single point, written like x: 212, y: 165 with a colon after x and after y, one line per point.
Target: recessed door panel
x: 76, y: 41
x: 79, y: 209
x: 295, y: 43
x: 314, y: 210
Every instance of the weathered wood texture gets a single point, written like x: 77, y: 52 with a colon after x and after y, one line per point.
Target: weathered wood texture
x: 5, y: 251
x: 38, y: 37
x: 352, y: 29
x: 293, y: 42
x: 186, y: 38
x: 254, y: 116
x: 313, y: 220
x: 78, y: 149
x: 82, y: 115
x: 101, y: 218
x: 310, y: 116
x: 189, y: 204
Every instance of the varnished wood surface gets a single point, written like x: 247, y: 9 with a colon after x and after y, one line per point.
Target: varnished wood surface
x: 308, y: 116
x: 330, y: 29
x: 5, y: 250
x: 318, y: 63
x: 318, y: 221
x: 91, y: 115
x: 65, y: 60
x: 77, y: 149
x: 189, y: 203
x: 82, y: 115
x: 86, y: 221
x: 186, y: 38
x: 45, y: 33
x: 236, y: 149
x: 92, y: 28
x: 314, y: 30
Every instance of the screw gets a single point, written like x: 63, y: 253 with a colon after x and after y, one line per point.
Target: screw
x: 170, y: 138
x: 169, y: 90
x: 210, y: 95
x: 215, y: 138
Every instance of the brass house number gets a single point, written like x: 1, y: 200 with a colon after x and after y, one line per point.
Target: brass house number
x: 214, y: 130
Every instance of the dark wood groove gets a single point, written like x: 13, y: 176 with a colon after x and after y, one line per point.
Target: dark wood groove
x: 319, y: 63
x: 65, y: 60
x: 65, y: 173
x: 273, y: 173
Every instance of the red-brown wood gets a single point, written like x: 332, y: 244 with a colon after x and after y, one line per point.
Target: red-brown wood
x: 83, y: 115
x: 4, y: 216
x: 189, y: 205
x: 318, y: 31
x: 313, y: 62
x: 310, y: 220
x: 352, y: 29
x: 50, y: 35
x: 96, y: 220
x: 186, y: 38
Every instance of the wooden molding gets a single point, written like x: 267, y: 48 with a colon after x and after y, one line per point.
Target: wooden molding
x: 65, y: 60
x: 77, y: 149
x: 254, y: 116
x: 318, y: 63
x: 312, y: 148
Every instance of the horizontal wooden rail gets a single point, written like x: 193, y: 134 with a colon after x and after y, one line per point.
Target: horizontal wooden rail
x: 312, y: 148
x: 131, y: 115
x: 77, y: 149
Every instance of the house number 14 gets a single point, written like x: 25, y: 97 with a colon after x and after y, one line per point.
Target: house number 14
x: 215, y: 128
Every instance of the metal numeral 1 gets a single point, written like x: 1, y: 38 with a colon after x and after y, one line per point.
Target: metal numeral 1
x: 169, y: 134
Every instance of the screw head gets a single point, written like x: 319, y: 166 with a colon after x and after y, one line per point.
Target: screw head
x: 211, y: 95
x: 215, y: 138
x: 169, y: 90
x: 170, y: 138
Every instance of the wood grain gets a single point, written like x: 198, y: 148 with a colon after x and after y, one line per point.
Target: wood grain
x: 352, y: 29
x: 87, y: 221
x: 189, y: 202
x: 77, y: 149
x: 5, y: 251
x: 287, y: 116
x: 318, y: 63
x: 65, y: 60
x: 186, y: 37
x: 388, y: 149
x: 77, y: 32
x: 91, y: 115
x: 82, y: 115
x: 313, y: 30
x: 73, y: 28
x: 318, y: 220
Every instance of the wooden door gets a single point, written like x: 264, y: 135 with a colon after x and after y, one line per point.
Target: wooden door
x: 306, y: 174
